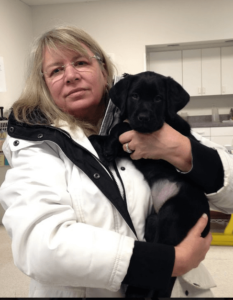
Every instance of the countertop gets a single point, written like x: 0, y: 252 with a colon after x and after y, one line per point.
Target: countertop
x: 206, y: 121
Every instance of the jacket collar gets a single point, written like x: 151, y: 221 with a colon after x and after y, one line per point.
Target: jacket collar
x: 112, y: 115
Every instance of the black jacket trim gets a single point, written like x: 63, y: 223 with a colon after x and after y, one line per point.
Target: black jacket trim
x: 207, y: 169
x: 151, y: 267
x: 80, y: 156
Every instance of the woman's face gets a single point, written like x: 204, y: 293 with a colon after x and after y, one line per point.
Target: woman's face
x: 78, y: 92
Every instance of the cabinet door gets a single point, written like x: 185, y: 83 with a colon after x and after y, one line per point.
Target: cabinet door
x: 221, y: 131
x: 223, y: 140
x: 227, y: 70
x: 192, y: 71
x: 203, y: 131
x: 222, y: 135
x: 167, y: 63
x: 211, y: 71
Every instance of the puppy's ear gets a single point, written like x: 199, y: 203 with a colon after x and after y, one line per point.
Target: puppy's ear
x: 119, y: 93
x: 177, y: 97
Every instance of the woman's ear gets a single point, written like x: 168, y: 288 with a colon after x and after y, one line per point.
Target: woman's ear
x: 119, y: 94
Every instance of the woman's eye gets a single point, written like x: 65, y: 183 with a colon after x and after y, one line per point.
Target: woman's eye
x: 80, y: 63
x: 135, y: 96
x: 56, y: 71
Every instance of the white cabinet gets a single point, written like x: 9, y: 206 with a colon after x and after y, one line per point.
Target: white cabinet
x: 227, y: 70
x: 167, y: 63
x: 222, y: 135
x: 204, y: 71
x: 219, y: 135
x: 223, y: 140
x: 201, y: 71
x: 192, y: 71
x: 203, y: 131
x: 211, y: 68
x: 219, y: 131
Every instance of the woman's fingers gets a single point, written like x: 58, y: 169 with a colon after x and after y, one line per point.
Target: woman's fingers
x: 165, y: 143
x: 126, y: 137
x: 192, y: 250
x: 127, y: 148
x: 125, y: 140
x: 208, y: 239
x: 138, y: 143
x: 199, y: 226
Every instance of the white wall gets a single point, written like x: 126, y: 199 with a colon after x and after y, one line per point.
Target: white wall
x: 122, y: 27
x: 125, y: 27
x: 15, y: 36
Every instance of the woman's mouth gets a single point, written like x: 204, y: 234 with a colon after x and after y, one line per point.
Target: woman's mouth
x: 76, y: 92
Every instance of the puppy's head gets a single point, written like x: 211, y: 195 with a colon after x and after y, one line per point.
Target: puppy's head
x: 148, y: 99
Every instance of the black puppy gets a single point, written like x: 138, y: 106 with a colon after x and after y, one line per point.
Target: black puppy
x: 147, y: 100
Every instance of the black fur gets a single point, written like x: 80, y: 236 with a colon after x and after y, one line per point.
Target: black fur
x: 148, y: 100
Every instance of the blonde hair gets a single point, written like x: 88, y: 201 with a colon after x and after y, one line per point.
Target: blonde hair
x: 36, y: 96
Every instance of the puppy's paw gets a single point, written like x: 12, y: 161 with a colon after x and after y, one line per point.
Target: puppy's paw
x: 109, y: 155
x: 111, y: 149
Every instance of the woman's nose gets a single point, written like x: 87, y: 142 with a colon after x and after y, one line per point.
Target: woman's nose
x: 71, y: 74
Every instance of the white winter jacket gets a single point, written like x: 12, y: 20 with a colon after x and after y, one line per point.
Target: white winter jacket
x: 66, y: 233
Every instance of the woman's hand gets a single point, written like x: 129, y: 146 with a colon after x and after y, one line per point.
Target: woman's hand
x: 192, y: 250
x: 166, y: 143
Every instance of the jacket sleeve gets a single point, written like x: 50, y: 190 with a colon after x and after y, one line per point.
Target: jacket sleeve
x: 151, y: 266
x: 48, y: 243
x: 213, y: 171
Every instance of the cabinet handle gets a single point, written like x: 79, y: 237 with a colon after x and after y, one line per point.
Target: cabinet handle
x: 223, y: 89
x: 203, y: 90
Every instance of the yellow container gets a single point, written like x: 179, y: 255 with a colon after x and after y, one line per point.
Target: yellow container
x: 226, y: 238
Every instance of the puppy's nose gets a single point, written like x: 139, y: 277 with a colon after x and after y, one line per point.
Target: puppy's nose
x: 143, y: 117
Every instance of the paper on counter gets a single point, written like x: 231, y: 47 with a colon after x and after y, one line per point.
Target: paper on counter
x: 227, y: 121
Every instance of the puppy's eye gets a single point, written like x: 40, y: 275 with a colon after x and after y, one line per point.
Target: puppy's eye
x: 158, y: 98
x: 135, y: 96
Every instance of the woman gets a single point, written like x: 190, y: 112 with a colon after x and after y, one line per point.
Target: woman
x: 77, y: 228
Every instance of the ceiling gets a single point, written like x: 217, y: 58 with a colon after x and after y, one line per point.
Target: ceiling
x: 45, y: 2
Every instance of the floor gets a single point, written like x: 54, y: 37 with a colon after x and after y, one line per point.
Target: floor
x: 13, y: 283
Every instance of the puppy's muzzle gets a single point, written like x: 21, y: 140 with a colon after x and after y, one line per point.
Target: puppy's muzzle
x: 143, y: 117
